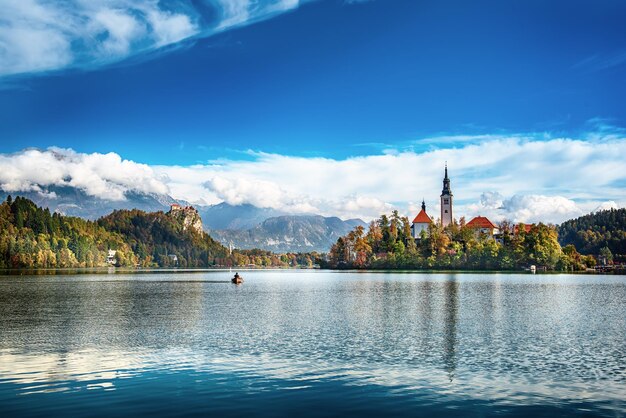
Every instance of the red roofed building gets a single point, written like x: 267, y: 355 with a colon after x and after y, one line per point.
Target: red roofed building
x: 420, y: 223
x: 482, y: 225
x: 527, y: 228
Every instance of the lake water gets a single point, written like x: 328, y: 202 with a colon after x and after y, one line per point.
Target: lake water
x: 313, y: 343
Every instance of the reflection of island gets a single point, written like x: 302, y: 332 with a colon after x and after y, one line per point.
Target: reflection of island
x: 451, y: 305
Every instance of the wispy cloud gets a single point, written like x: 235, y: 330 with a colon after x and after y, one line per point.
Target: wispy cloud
x: 601, y: 61
x: 47, y: 35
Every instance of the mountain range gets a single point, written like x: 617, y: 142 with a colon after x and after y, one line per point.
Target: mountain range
x: 288, y: 233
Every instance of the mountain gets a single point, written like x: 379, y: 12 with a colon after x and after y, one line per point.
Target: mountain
x: 290, y: 233
x: 238, y: 217
x: 70, y: 201
x: 592, y: 232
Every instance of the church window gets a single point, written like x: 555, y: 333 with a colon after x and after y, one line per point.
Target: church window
x: 446, y: 201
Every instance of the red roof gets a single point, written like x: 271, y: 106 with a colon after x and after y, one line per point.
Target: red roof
x: 527, y: 228
x: 422, y: 218
x: 480, y: 222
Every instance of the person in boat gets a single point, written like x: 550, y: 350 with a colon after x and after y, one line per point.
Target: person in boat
x: 237, y: 278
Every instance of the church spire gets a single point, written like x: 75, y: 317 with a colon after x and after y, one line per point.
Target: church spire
x: 423, y: 204
x: 446, y: 183
x: 446, y: 200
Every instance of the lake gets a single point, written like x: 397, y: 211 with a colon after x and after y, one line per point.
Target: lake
x: 312, y: 343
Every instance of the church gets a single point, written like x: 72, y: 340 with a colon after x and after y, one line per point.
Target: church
x: 421, y: 222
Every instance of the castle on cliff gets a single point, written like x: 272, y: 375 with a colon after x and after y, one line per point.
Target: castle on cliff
x: 188, y: 215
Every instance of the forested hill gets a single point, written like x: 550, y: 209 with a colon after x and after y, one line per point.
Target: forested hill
x: 155, y: 236
x: 33, y: 237
x: 590, y: 233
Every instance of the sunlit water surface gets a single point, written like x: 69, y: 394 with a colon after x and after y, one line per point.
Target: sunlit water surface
x: 313, y: 343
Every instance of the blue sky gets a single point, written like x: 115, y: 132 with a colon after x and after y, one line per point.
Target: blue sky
x: 184, y: 83
x: 336, y: 79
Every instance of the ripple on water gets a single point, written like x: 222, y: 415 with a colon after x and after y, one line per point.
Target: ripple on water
x: 342, y: 342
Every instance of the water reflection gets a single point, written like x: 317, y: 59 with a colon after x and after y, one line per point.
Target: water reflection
x: 402, y: 341
x: 451, y: 307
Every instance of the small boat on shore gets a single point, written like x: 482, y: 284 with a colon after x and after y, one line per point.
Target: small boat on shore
x: 237, y: 279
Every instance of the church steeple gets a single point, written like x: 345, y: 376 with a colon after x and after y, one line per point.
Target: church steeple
x: 423, y: 204
x: 446, y: 200
x: 446, y: 183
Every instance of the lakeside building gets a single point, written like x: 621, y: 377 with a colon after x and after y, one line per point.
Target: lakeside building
x: 111, y: 257
x: 483, y: 226
x: 420, y: 223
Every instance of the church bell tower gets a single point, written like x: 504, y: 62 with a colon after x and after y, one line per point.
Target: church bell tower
x: 446, y: 200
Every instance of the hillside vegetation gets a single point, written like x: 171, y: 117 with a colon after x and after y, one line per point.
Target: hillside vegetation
x: 592, y: 233
x: 33, y: 237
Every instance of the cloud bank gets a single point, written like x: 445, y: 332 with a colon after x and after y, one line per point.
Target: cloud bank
x: 48, y: 35
x: 106, y: 176
x: 515, y: 178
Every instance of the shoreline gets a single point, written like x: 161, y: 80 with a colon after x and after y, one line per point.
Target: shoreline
x: 160, y: 270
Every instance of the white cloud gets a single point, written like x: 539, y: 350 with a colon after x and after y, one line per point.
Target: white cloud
x: 362, y: 207
x: 121, y: 30
x: 169, y: 27
x: 518, y: 178
x: 260, y: 193
x: 106, y: 176
x: 46, y: 35
x: 505, y: 177
x: 530, y: 208
x: 25, y: 50
x: 610, y: 204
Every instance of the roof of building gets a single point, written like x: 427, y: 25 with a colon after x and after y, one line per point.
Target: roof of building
x: 527, y: 228
x: 422, y: 218
x: 480, y: 222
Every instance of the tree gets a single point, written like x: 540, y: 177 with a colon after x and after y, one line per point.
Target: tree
x: 541, y: 245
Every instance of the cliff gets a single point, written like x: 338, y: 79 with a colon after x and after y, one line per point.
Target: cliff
x: 188, y: 217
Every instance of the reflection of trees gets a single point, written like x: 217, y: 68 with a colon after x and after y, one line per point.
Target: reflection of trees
x: 70, y: 314
x: 451, y: 306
